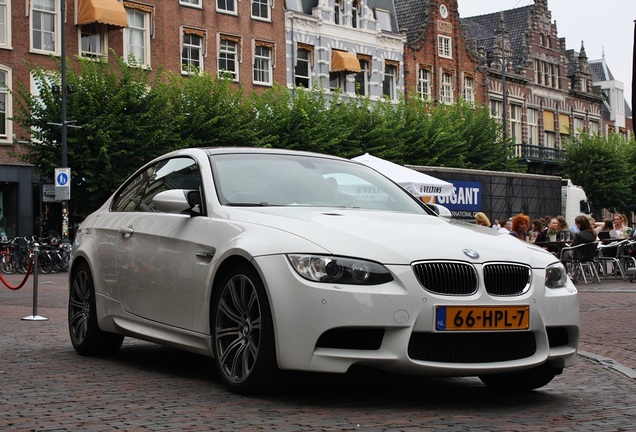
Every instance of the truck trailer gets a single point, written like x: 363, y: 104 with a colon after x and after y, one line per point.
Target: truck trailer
x: 504, y: 194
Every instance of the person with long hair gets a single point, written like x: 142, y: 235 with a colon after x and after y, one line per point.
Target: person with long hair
x: 482, y: 219
x: 586, y: 234
x: 520, y: 225
x: 620, y: 228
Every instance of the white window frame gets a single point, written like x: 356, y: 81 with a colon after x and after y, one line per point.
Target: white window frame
x: 515, y: 123
x: 142, y: 33
x: 444, y: 47
x: 266, y: 63
x: 446, y: 89
x: 389, y: 81
x: 227, y: 6
x: 53, y: 16
x: 549, y: 139
x: 229, y: 50
x: 496, y: 108
x: 424, y: 83
x: 384, y: 18
x: 5, y: 93
x: 101, y: 32
x: 337, y: 80
x: 5, y: 24
x: 186, y: 67
x: 308, y: 61
x: 594, y: 127
x: 356, y: 9
x: 469, y: 90
x: 262, y: 6
x: 533, y: 126
x: 362, y: 78
x: 337, y: 12
x: 192, y: 3
x: 51, y: 79
x: 579, y: 125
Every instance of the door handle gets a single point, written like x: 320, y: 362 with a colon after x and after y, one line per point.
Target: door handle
x: 126, y: 231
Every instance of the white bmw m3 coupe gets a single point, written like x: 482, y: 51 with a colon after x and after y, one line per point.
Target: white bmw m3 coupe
x: 272, y: 260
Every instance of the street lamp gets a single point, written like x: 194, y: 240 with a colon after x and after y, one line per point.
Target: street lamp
x: 504, y: 61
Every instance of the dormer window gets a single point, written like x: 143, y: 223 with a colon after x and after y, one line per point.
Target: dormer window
x: 384, y: 18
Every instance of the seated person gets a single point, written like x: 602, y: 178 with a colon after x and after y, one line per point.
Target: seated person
x: 546, y: 238
x: 586, y: 234
x: 520, y: 225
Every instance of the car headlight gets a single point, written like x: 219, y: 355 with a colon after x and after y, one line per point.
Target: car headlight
x: 556, y: 276
x: 341, y: 270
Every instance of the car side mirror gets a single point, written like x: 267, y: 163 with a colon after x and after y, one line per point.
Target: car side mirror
x: 180, y: 201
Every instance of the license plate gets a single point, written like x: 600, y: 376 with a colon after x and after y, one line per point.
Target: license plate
x: 482, y: 318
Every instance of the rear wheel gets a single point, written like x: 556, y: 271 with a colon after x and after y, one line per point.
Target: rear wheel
x: 86, y: 337
x: 8, y: 264
x: 525, y: 380
x: 243, y: 333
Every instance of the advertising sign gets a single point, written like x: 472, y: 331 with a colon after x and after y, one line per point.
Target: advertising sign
x: 465, y: 199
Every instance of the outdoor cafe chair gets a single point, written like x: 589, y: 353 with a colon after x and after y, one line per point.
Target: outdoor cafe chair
x: 581, y: 259
x: 609, y: 254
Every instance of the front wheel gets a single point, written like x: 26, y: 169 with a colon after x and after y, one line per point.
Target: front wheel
x: 520, y: 381
x: 243, y: 333
x: 86, y: 337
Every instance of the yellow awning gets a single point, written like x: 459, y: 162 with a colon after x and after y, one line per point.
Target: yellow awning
x: 548, y: 121
x: 109, y: 12
x: 564, y: 124
x: 342, y: 61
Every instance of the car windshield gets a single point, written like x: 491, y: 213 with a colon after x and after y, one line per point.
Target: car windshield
x: 294, y: 180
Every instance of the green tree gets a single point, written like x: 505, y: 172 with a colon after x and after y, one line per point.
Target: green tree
x: 125, y: 120
x: 117, y: 123
x: 603, y: 167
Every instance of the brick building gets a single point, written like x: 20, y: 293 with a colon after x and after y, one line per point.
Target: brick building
x: 245, y: 39
x: 539, y: 93
x: 438, y: 66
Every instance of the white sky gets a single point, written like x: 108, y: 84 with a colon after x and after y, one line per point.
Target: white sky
x: 602, y: 25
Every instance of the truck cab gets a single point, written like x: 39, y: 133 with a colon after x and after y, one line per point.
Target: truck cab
x: 573, y: 201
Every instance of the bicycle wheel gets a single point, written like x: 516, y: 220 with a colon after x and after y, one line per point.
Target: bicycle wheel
x: 7, y: 265
x: 23, y: 262
x: 45, y: 264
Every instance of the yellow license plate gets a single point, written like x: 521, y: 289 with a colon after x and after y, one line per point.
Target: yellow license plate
x: 482, y: 318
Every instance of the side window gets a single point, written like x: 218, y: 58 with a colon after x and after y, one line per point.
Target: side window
x: 176, y: 173
x: 130, y: 196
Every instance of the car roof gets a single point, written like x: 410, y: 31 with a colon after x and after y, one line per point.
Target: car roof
x: 260, y: 150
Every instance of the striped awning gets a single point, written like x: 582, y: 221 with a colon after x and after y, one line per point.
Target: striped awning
x: 109, y: 12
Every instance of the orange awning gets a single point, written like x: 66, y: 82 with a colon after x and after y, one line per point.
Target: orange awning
x: 342, y: 61
x: 109, y: 12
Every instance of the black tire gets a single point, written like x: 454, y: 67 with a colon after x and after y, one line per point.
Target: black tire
x: 8, y: 265
x: 86, y: 337
x: 44, y: 262
x: 522, y: 381
x: 243, y: 333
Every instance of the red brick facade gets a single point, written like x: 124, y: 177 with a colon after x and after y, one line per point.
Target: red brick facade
x: 169, y: 18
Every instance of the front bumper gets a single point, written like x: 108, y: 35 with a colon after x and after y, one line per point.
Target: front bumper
x: 328, y: 328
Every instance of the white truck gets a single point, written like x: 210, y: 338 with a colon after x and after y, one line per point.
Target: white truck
x: 504, y: 194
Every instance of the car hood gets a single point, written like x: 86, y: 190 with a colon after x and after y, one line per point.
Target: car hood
x: 393, y: 238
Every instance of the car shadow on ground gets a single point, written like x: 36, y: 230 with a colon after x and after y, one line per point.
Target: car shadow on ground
x: 361, y: 387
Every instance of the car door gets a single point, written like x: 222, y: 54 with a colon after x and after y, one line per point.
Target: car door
x: 156, y: 251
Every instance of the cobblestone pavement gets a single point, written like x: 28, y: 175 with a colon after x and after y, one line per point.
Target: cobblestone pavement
x: 45, y: 386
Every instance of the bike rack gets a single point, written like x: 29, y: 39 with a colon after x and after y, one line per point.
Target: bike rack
x: 35, y: 316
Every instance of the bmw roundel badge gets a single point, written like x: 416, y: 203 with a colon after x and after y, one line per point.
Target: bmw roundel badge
x: 471, y: 253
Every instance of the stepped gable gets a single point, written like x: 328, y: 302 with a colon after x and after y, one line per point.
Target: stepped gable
x: 483, y: 29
